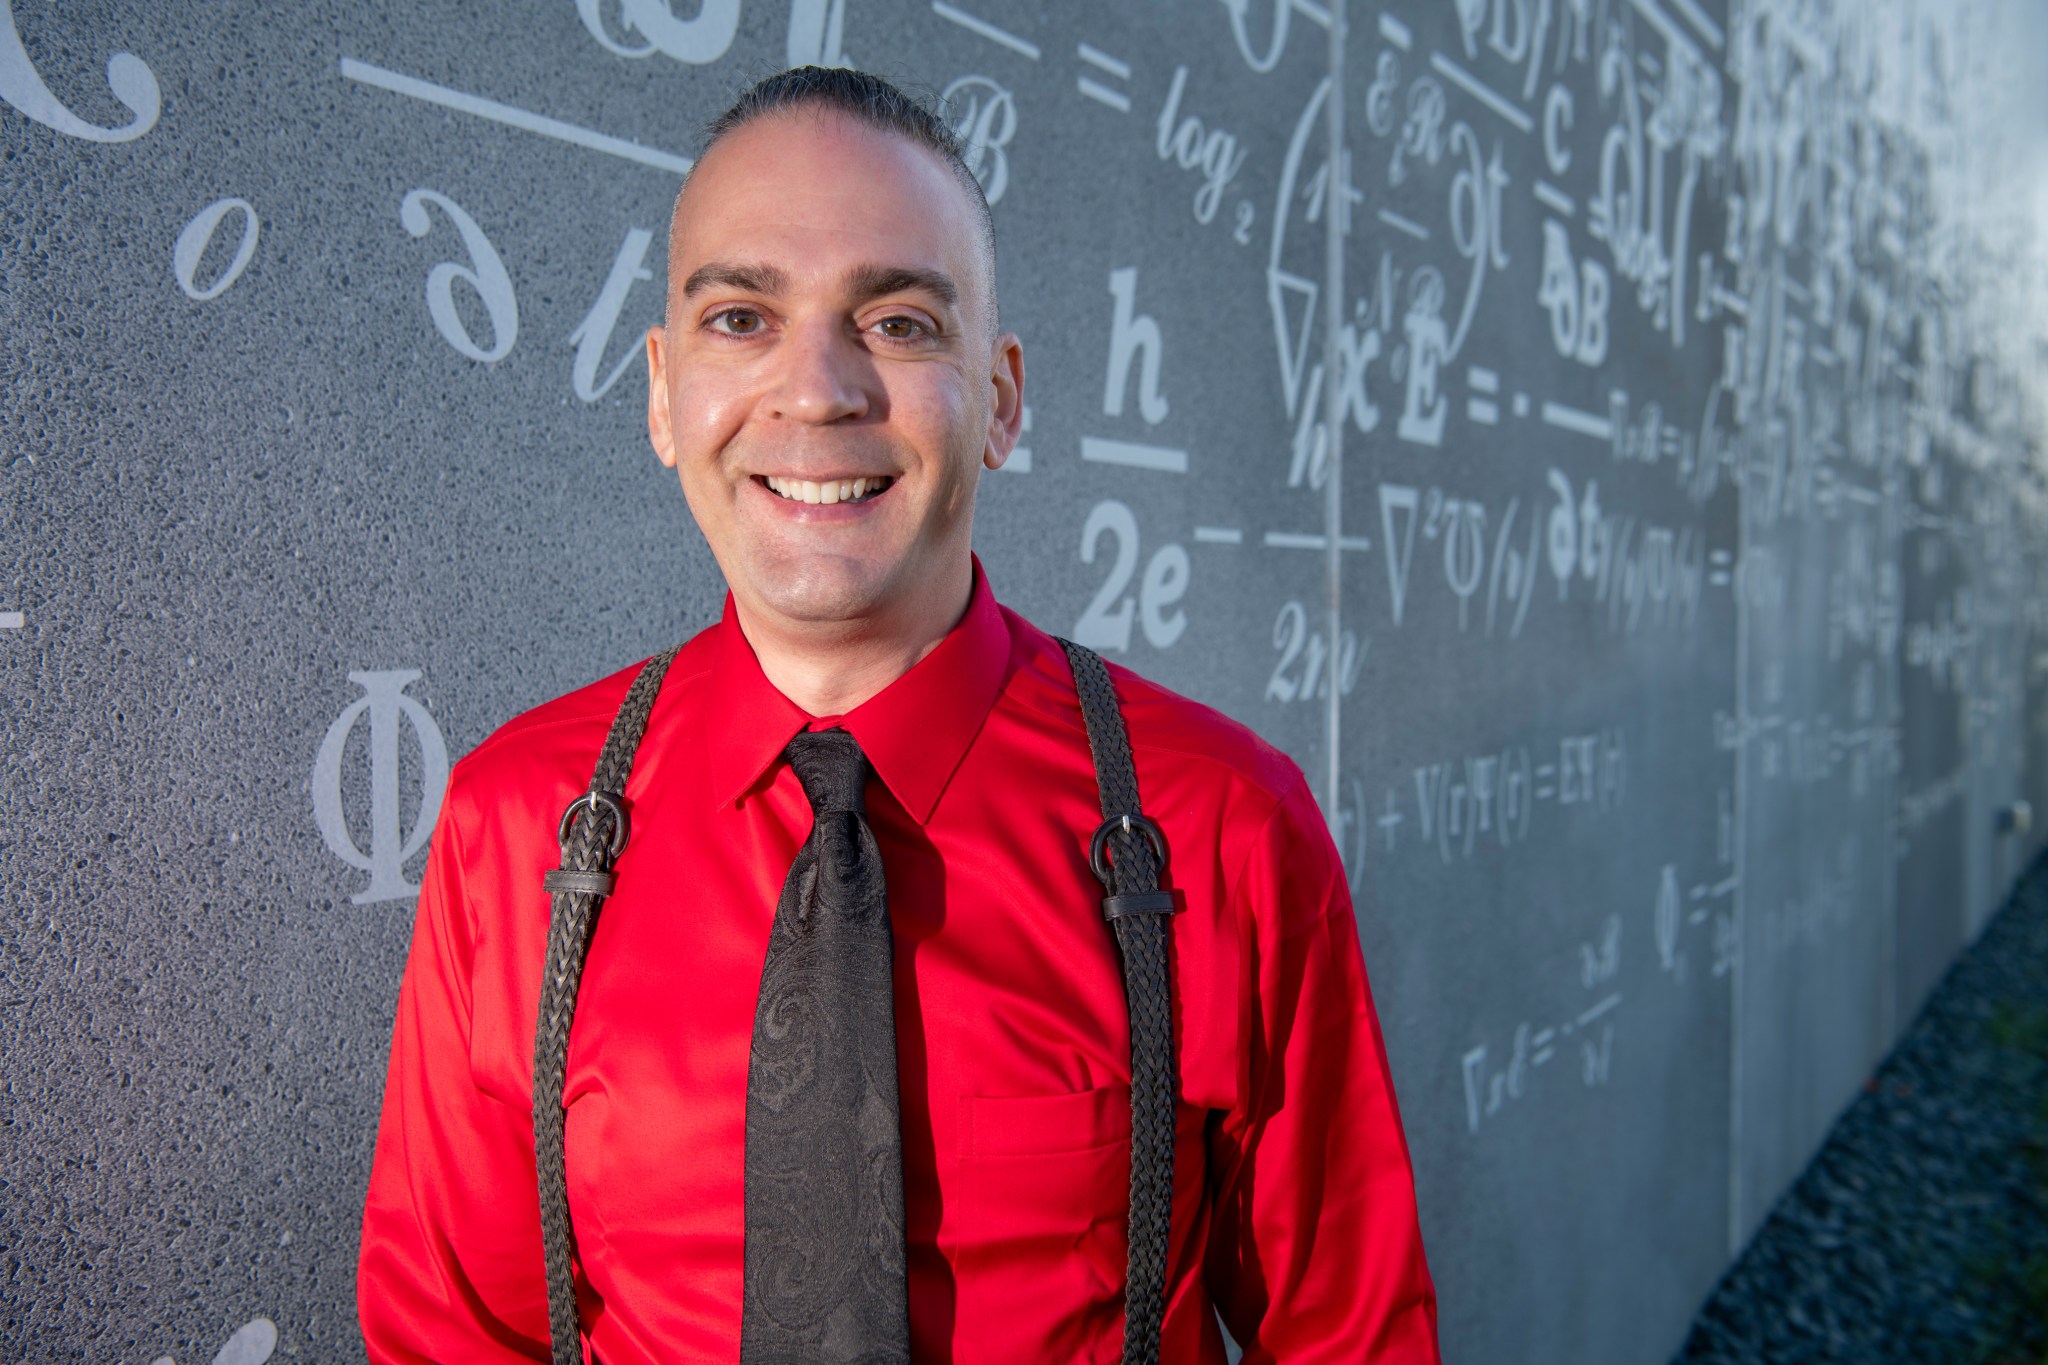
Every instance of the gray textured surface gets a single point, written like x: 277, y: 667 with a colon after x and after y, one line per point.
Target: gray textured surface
x: 1685, y: 747
x: 1920, y: 1231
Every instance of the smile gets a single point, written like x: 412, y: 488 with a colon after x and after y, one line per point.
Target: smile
x: 829, y: 492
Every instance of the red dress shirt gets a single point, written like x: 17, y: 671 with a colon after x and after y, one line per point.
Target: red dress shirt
x: 1294, y: 1205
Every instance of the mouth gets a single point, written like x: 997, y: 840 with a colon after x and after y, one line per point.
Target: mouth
x: 826, y: 492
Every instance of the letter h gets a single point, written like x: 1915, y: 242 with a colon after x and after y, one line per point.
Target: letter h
x: 1129, y: 333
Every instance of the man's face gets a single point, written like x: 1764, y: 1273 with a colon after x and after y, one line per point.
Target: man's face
x: 829, y: 383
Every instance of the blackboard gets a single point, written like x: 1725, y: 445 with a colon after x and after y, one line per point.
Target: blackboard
x: 1599, y: 440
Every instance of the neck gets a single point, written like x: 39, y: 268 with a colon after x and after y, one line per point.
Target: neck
x: 828, y: 668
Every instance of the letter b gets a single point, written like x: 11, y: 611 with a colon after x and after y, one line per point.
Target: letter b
x: 1129, y: 333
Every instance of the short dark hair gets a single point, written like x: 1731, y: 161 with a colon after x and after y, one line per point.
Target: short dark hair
x: 874, y: 102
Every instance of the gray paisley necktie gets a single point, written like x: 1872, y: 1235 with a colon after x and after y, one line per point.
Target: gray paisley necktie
x: 825, y: 1277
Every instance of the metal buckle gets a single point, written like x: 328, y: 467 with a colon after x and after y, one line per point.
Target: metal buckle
x: 1098, y: 847
x: 621, y: 824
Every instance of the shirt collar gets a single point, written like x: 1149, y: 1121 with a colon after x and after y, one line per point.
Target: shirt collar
x: 914, y: 732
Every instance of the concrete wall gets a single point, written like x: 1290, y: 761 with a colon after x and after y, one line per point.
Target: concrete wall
x: 1599, y: 439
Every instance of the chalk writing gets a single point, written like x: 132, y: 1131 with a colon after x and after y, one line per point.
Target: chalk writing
x: 594, y: 333
x: 192, y: 244
x: 485, y: 275
x: 983, y: 115
x: 252, y: 1344
x: 1302, y: 672
x: 817, y: 30
x: 128, y: 76
x: 1212, y: 151
x: 1132, y: 335
x: 1106, y: 623
x: 698, y: 40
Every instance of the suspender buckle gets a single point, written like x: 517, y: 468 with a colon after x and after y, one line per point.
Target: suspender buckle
x: 1098, y: 847
x: 594, y: 800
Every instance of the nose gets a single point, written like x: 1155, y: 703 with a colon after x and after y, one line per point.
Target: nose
x: 823, y: 374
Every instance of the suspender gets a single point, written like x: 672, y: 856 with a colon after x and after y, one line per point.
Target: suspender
x: 590, y: 845
x: 1126, y: 854
x: 1137, y: 911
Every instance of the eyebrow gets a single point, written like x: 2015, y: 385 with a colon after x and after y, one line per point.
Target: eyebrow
x: 865, y: 282
x: 753, y: 279
x: 873, y: 281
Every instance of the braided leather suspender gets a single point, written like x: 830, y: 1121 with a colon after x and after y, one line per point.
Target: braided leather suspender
x: 1137, y: 911
x: 593, y: 832
x: 1126, y: 854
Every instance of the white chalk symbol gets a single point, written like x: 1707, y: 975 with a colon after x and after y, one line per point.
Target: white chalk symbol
x: 128, y: 77
x: 462, y: 102
x: 251, y: 1344
x: 981, y: 27
x: 385, y: 700
x: 699, y: 40
x: 1108, y: 66
x: 816, y: 29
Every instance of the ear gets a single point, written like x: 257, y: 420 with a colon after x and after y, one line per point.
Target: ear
x: 659, y: 431
x: 1006, y: 408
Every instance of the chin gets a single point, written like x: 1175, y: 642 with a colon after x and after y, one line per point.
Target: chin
x: 821, y: 594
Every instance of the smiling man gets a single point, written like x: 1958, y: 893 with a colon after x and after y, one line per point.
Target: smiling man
x: 832, y: 320
x: 851, y: 1069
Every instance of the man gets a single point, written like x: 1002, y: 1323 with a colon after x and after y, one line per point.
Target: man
x: 828, y: 384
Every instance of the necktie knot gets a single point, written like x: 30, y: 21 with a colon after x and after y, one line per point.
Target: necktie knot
x: 832, y: 769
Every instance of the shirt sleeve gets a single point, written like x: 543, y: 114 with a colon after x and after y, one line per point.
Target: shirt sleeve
x: 1315, y: 1252
x: 450, y: 1266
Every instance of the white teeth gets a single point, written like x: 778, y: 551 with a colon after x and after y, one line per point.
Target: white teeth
x: 828, y: 493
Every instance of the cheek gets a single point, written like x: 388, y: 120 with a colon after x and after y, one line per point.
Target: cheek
x: 705, y: 409
x: 948, y: 417
x: 703, y: 433
x: 704, y: 495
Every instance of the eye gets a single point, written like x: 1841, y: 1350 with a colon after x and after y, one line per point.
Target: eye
x: 898, y: 327
x: 738, y: 322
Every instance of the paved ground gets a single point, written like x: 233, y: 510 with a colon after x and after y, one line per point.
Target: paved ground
x: 1920, y: 1232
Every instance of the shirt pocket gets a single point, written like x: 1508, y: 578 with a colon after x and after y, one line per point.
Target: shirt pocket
x: 1042, y: 1236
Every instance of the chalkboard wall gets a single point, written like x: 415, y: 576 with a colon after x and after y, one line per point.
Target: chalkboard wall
x: 1600, y: 440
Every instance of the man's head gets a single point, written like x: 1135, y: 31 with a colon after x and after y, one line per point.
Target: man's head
x: 830, y: 380
x: 820, y: 90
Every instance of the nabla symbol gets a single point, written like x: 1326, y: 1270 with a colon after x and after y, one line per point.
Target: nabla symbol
x: 385, y: 702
